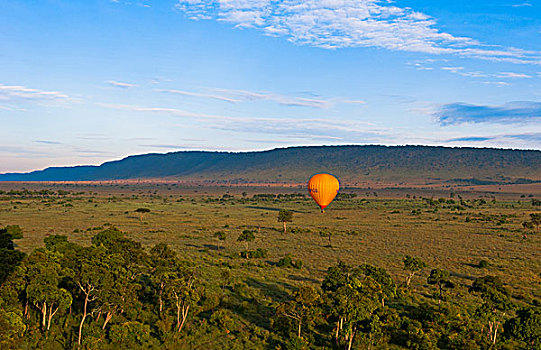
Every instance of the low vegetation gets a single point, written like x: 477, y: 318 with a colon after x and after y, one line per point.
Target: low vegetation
x: 210, y: 271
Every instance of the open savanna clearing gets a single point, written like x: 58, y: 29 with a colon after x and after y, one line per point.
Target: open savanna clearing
x: 371, y: 226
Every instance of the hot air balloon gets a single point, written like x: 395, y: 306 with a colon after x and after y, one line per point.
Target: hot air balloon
x: 323, y: 188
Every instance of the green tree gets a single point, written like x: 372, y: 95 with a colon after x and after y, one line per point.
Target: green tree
x: 413, y: 265
x: 131, y: 335
x: 352, y: 298
x: 43, y: 275
x: 526, y: 326
x: 386, y: 282
x: 535, y: 219
x: 246, y: 236
x: 55, y: 242
x: 141, y: 212
x: 302, y: 307
x: 183, y: 292
x: 12, y: 329
x: 131, y: 252
x: 441, y: 279
x: 162, y: 261
x: 94, y: 272
x: 285, y: 216
x: 9, y: 257
x: 14, y: 231
x: 496, y: 302
x: 126, y: 261
x: 220, y: 236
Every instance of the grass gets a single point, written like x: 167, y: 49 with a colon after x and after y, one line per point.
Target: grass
x: 366, y: 229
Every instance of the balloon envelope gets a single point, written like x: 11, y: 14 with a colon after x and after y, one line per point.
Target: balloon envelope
x: 323, y: 188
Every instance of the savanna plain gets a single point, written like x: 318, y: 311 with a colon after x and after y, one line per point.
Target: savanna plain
x: 339, y: 279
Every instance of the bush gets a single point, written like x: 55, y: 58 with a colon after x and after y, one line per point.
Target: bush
x: 258, y: 253
x: 483, y: 264
x: 287, y: 261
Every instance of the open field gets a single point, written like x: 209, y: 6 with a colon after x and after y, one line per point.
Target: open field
x: 374, y: 226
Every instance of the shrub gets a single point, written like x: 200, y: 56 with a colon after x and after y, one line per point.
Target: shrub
x: 483, y: 264
x: 287, y: 261
x: 258, y: 253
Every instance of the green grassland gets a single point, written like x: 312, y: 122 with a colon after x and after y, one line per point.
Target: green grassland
x: 361, y: 225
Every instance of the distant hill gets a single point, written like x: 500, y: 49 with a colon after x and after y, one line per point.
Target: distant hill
x: 351, y: 164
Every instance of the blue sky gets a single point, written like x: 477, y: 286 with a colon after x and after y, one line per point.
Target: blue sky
x: 83, y: 82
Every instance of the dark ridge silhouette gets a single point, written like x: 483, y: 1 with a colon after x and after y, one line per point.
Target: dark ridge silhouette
x: 351, y: 164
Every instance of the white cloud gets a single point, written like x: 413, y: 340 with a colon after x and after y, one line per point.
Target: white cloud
x: 236, y: 96
x: 284, y: 126
x: 513, y: 75
x: 279, y: 98
x: 120, y: 84
x: 12, y: 92
x: 198, y: 94
x: 464, y: 73
x: 475, y: 74
x: 524, y: 4
x: 496, y: 83
x: 335, y: 24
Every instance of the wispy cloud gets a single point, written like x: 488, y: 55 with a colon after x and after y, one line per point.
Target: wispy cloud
x: 15, y: 150
x: 198, y: 94
x: 92, y: 152
x: 165, y: 110
x: 335, y: 24
x: 284, y: 126
x: 121, y: 84
x: 513, y: 75
x: 17, y: 92
x: 236, y: 96
x: 496, y: 83
x: 502, y: 138
x: 523, y: 4
x: 94, y: 137
x: 476, y: 74
x: 470, y: 139
x: 461, y: 71
x: 245, y: 95
x: 46, y: 142
x: 187, y: 147
x: 513, y: 112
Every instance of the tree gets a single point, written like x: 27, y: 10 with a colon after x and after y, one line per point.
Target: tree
x: 183, y: 293
x: 327, y: 234
x: 43, y: 275
x: 413, y: 265
x: 496, y: 302
x: 12, y: 329
x: 285, y: 216
x: 9, y: 257
x: 142, y: 211
x: 246, y: 236
x: 301, y: 308
x: 535, y: 218
x: 126, y: 262
x: 220, y: 236
x: 15, y: 231
x: 93, y: 272
x: 441, y: 279
x: 131, y: 335
x: 526, y: 326
x: 388, y: 287
x: 352, y: 298
x: 162, y: 262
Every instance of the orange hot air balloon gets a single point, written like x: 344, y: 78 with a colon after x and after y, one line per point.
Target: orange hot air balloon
x: 323, y: 188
